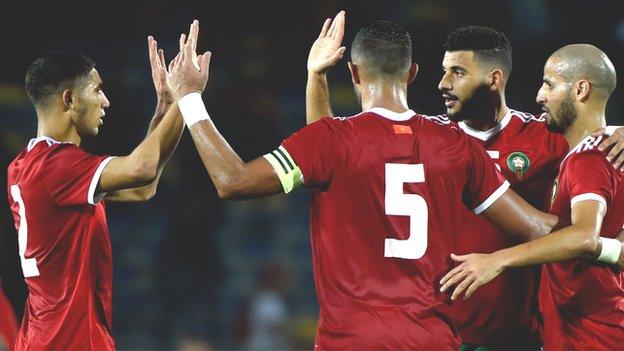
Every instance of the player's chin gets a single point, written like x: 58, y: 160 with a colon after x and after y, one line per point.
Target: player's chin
x: 454, y: 114
x: 553, y: 126
x: 94, y: 131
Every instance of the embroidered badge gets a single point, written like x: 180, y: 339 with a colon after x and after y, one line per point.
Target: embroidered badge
x: 519, y: 163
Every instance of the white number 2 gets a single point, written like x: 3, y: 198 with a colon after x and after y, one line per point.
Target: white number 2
x: 29, y: 265
x: 412, y: 205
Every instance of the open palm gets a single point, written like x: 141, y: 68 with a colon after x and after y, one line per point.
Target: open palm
x: 327, y: 50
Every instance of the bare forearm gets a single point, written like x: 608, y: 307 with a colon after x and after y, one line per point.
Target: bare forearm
x: 515, y: 216
x: 170, y: 143
x: 224, y: 166
x: 568, y: 243
x: 159, y: 113
x: 154, y: 151
x: 317, y: 98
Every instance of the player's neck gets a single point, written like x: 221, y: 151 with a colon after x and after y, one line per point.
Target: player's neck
x: 56, y: 126
x: 389, y: 96
x: 586, y: 123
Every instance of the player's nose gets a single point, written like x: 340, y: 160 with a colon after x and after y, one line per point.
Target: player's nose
x: 541, y: 97
x: 444, y: 84
x: 105, y: 102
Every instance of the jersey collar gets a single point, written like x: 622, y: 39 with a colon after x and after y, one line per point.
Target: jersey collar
x: 486, y: 135
x: 34, y: 141
x: 395, y: 116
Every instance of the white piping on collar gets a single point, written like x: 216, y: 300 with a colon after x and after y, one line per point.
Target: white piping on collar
x: 395, y: 116
x: 486, y: 135
x: 34, y: 141
x: 589, y: 142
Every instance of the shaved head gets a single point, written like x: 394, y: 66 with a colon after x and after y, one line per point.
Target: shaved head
x: 584, y: 61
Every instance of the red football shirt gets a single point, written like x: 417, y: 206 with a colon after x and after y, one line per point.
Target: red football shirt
x: 387, y: 193
x: 8, y: 321
x: 64, y: 247
x: 583, y: 301
x: 528, y: 155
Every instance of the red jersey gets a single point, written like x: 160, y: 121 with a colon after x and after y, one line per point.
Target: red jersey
x: 583, y: 301
x: 8, y: 322
x: 528, y: 155
x: 387, y: 193
x: 64, y: 247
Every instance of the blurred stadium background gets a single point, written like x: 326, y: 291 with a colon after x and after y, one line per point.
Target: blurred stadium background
x: 196, y: 273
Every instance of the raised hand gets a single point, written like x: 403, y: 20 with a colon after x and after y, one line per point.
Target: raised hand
x: 189, y: 71
x: 327, y: 50
x: 164, y: 91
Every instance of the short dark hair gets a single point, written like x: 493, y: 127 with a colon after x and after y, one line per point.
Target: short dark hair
x: 385, y: 46
x: 489, y: 45
x: 53, y: 72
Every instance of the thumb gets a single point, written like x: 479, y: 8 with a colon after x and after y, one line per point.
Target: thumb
x: 459, y: 258
x: 204, y: 62
x: 339, y: 53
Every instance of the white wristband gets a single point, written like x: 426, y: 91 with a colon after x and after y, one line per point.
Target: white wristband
x: 610, y: 252
x: 193, y: 109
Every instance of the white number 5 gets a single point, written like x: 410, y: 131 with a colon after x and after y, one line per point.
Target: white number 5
x: 412, y: 205
x: 29, y: 265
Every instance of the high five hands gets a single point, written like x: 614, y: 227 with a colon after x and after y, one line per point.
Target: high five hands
x: 189, y: 71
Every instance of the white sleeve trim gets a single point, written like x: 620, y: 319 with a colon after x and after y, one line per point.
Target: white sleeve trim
x: 588, y: 196
x: 93, y: 198
x: 492, y: 198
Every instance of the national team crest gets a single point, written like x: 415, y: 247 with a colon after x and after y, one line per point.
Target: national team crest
x: 519, y: 163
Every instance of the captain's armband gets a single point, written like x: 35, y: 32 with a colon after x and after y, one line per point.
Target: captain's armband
x: 287, y: 170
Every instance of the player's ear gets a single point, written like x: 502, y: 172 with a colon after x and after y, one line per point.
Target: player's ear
x: 68, y: 98
x: 355, y: 74
x: 582, y: 89
x: 496, y: 79
x: 413, y: 71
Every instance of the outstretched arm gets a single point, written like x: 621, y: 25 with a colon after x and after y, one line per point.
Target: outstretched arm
x: 325, y: 53
x: 165, y: 101
x: 135, y: 177
x: 579, y: 240
x: 232, y: 177
x: 513, y: 215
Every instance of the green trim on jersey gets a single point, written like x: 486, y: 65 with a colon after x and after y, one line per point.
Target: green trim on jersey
x: 287, y: 170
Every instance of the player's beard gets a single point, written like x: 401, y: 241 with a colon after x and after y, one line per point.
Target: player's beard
x: 476, y: 106
x: 563, y: 117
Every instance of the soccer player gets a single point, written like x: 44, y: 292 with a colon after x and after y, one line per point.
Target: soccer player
x: 387, y: 187
x: 55, y: 192
x: 8, y: 322
x: 582, y: 302
x: 477, y: 64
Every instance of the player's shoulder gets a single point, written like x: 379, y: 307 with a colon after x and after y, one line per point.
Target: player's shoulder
x: 533, y: 126
x: 441, y: 120
x: 439, y: 125
x: 525, y: 122
x: 586, y: 152
x: 63, y: 150
x: 528, y: 118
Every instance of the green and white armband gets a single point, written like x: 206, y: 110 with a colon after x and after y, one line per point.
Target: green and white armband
x: 287, y: 170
